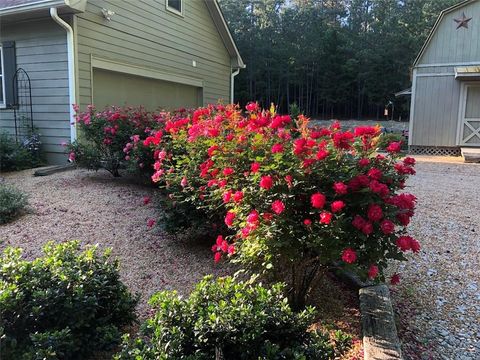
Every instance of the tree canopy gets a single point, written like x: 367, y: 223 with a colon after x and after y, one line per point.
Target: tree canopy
x: 333, y: 58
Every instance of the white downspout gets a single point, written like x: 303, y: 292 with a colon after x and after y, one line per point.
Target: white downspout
x: 232, y: 84
x: 71, y: 71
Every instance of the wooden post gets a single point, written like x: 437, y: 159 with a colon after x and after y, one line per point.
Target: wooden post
x: 380, y: 340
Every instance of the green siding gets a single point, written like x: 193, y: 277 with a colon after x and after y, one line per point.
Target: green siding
x: 448, y: 45
x: 144, y: 33
x: 437, y: 100
x: 42, y: 51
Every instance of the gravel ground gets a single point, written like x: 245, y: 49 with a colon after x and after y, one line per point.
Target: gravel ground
x: 395, y: 126
x: 438, y: 300
x: 97, y: 208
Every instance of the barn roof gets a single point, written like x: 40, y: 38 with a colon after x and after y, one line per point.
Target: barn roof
x: 437, y: 24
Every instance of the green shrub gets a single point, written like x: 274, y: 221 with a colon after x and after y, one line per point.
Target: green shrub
x: 12, y: 202
x: 15, y: 156
x: 64, y: 305
x: 239, y: 320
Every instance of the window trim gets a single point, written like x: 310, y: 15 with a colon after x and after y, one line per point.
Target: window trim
x: 3, y: 102
x: 173, y: 10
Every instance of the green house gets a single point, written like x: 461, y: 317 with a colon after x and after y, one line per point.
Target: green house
x: 155, y: 53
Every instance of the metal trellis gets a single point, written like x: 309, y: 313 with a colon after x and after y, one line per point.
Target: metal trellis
x: 22, y: 105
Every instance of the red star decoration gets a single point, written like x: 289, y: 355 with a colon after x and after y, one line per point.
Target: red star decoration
x: 462, y: 22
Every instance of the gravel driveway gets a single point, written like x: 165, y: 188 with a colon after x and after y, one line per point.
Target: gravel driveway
x: 97, y: 208
x: 438, y: 300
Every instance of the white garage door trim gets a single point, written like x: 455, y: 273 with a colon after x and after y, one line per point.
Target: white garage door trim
x: 112, y: 65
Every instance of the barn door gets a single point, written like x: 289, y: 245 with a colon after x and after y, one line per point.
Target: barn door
x: 470, y: 122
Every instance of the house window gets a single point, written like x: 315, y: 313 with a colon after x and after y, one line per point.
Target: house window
x: 175, y: 6
x: 2, y: 80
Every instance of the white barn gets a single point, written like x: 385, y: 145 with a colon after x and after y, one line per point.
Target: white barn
x: 445, y: 106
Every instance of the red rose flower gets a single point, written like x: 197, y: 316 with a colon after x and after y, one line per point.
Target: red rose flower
x: 394, y: 147
x: 252, y: 107
x: 374, y: 212
x: 229, y: 218
x: 255, y: 167
x: 146, y: 200
x: 340, y: 188
x: 278, y: 207
x: 387, y: 226
x: 266, y: 182
x: 228, y: 171
x: 349, y: 256
x: 367, y: 228
x: 409, y: 161
x: 404, y: 243
x: 318, y: 200
x: 404, y: 219
x: 337, y: 206
x: 372, y: 271
x: 322, y: 154
x: 325, y: 217
x: 414, y: 245
x: 277, y: 148
x: 227, y: 196
x: 379, y: 188
x: 238, y: 196
x: 217, y: 257
x: 375, y: 174
x: 307, y: 222
x: 395, y: 279
x: 363, y: 162
x: 343, y: 140
x: 358, y: 222
x: 253, y: 217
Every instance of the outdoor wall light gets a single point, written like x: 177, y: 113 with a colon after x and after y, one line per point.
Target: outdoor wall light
x: 108, y: 14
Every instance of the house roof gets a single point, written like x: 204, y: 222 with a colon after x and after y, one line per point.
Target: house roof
x: 225, y: 33
x: 437, y: 24
x: 18, y: 6
x: 8, y: 7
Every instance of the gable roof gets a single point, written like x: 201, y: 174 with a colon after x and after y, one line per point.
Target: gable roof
x: 437, y: 24
x: 226, y: 35
x: 8, y: 7
x: 18, y: 6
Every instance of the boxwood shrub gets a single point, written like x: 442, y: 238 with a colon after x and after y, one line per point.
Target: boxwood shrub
x: 64, y: 305
x: 12, y: 203
x: 227, y: 319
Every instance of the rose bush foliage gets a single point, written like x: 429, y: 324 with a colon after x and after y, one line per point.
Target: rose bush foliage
x: 110, y: 136
x: 292, y: 196
x: 281, y: 194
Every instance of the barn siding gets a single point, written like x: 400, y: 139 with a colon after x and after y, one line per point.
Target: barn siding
x: 42, y: 51
x: 436, y: 109
x: 145, y: 34
x: 450, y: 46
x: 436, y: 99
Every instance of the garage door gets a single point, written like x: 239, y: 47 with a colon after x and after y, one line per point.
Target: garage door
x: 115, y: 88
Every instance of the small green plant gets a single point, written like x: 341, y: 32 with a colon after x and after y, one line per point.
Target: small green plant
x: 18, y: 156
x: 229, y: 318
x: 65, y: 305
x: 294, y: 110
x: 12, y: 203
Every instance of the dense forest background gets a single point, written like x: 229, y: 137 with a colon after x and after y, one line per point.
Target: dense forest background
x: 333, y: 58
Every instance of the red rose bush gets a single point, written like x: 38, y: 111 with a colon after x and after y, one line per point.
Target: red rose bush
x: 294, y: 199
